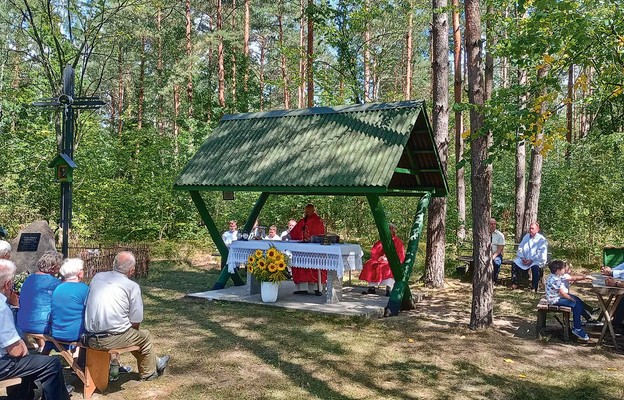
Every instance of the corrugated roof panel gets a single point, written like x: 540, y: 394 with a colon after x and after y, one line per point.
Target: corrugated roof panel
x: 352, y: 146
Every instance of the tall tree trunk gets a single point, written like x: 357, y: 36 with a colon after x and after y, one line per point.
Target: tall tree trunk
x: 120, y: 92
x: 535, y: 175
x: 283, y: 59
x: 246, y: 44
x: 505, y: 60
x: 234, y: 56
x: 520, y: 170
x: 481, y: 313
x: 189, y: 56
x: 569, y: 116
x: 436, y: 228
x: 459, y: 124
x: 302, y: 55
x: 408, y: 58
x: 261, y: 71
x: 141, y: 95
x: 366, y: 60
x: 490, y: 39
x: 310, y: 53
x: 176, y: 128
x: 221, y: 62
x: 159, y: 73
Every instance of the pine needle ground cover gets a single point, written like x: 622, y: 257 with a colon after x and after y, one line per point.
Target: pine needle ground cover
x: 237, y: 351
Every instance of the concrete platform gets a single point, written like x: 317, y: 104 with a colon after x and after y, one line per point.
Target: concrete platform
x: 353, y: 303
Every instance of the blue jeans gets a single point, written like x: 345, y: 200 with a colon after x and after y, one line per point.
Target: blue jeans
x: 497, y: 264
x: 577, y: 309
x: 535, y: 275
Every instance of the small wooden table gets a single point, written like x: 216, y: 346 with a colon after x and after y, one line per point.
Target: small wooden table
x: 608, y: 307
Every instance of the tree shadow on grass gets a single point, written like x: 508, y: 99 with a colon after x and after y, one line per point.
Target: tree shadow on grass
x: 521, y: 389
x: 307, y: 343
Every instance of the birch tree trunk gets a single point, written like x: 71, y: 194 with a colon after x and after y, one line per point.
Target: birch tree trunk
x: 366, y: 60
x: 176, y: 128
x: 481, y: 313
x: 120, y: 92
x: 283, y: 60
x: 261, y: 71
x: 189, y: 55
x: 408, y: 56
x: 234, y: 56
x: 159, y: 73
x: 520, y: 170
x: 141, y: 94
x: 569, y: 116
x: 537, y: 159
x: 460, y: 187
x: 246, y: 45
x: 302, y: 56
x: 436, y: 228
x: 221, y: 66
x: 310, y: 68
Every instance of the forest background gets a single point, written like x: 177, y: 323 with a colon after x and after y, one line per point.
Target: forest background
x: 168, y: 71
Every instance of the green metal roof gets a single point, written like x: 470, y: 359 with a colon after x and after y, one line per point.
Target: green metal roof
x: 384, y: 148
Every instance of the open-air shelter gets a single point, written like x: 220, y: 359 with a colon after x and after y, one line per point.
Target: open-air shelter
x: 370, y: 150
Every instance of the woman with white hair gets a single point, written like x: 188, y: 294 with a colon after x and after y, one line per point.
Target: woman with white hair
x: 68, y: 302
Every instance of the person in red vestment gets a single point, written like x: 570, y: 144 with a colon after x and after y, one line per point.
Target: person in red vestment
x: 376, y: 271
x: 311, y: 224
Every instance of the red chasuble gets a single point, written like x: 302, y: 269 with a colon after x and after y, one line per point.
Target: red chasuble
x: 377, y: 268
x: 304, y: 230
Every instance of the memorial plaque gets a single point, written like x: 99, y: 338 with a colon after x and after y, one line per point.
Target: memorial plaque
x: 29, y: 242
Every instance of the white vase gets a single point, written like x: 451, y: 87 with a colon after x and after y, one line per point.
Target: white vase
x: 268, y: 291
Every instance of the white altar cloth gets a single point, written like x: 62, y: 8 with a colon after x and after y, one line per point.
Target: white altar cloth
x: 334, y: 257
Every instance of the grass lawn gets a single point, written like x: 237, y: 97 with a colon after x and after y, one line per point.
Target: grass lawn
x: 239, y: 351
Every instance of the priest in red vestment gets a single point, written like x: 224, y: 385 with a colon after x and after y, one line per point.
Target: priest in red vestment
x: 376, y: 271
x: 311, y: 224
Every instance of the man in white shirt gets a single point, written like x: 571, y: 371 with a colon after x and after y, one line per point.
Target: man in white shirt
x: 230, y: 235
x: 15, y: 362
x: 272, y: 234
x: 286, y: 234
x: 113, y: 313
x: 532, y: 254
x: 498, y: 244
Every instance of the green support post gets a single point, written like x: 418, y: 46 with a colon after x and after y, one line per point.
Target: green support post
x: 401, y: 297
x: 255, y: 211
x: 218, y: 240
x: 384, y: 234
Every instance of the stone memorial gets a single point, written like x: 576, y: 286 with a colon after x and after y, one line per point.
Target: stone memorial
x: 30, y: 244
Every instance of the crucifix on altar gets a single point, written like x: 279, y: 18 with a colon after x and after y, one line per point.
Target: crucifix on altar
x: 63, y: 163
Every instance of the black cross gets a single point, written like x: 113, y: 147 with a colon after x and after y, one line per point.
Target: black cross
x: 68, y: 104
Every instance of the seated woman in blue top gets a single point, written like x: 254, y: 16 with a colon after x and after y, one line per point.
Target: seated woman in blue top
x: 68, y: 305
x: 68, y: 302
x: 36, y: 295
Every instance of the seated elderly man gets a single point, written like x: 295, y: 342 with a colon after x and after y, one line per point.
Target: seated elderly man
x: 5, y: 254
x: 15, y: 362
x: 113, y: 313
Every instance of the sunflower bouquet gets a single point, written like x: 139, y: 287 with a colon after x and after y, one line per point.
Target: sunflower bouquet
x: 270, y: 265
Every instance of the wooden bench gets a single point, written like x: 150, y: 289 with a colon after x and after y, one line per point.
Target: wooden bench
x: 5, y: 383
x: 543, y: 308
x: 95, y: 373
